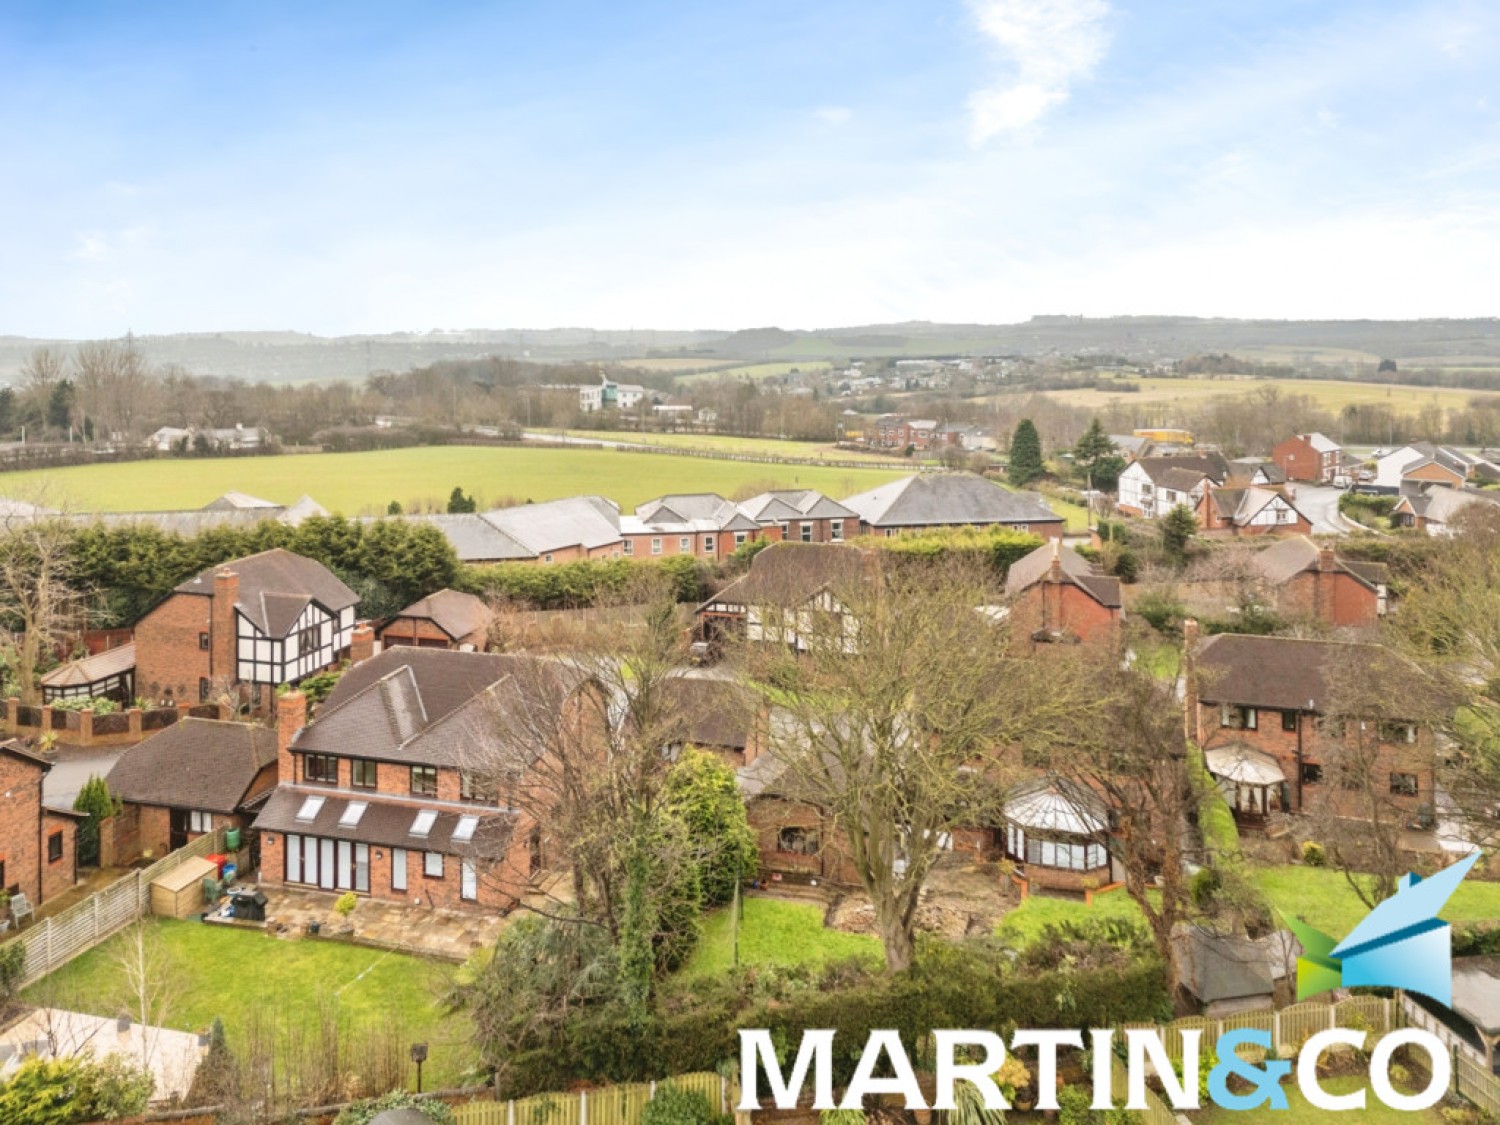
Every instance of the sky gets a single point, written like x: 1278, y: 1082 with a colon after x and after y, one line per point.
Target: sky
x: 381, y: 167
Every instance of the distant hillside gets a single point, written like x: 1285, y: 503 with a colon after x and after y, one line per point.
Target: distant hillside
x: 293, y: 357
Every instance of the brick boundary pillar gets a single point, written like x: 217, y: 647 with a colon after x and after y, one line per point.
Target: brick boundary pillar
x: 133, y: 716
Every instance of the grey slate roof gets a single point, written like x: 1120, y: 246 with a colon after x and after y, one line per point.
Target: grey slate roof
x: 194, y: 764
x: 772, y: 507
x: 1179, y: 479
x: 948, y: 499
x: 387, y: 820
x: 454, y: 612
x: 275, y: 586
x: 475, y: 539
x: 683, y: 507
x: 1211, y: 465
x: 589, y: 522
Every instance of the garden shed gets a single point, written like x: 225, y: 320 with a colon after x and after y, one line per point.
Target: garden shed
x: 179, y: 892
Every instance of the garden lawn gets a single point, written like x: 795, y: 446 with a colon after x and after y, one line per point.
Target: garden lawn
x: 1322, y: 897
x: 1298, y: 1111
x: 774, y: 932
x: 1022, y: 926
x: 364, y: 483
x: 229, y: 973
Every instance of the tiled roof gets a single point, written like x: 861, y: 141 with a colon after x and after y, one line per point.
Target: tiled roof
x: 475, y: 539
x: 1298, y: 554
x: 194, y: 764
x: 1179, y: 480
x: 1211, y: 465
x: 589, y: 522
x: 948, y: 499
x: 454, y: 612
x: 1076, y: 570
x: 387, y: 821
x: 92, y: 669
x: 1282, y: 672
x: 770, y: 507
x: 789, y: 574
x: 275, y: 586
x: 712, y: 713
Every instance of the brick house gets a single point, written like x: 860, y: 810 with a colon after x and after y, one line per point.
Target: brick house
x: 795, y: 839
x: 934, y: 500
x: 777, y: 600
x: 38, y: 855
x: 892, y: 431
x: 446, y: 619
x: 244, y: 628
x: 1309, y: 457
x: 1054, y: 594
x: 384, y: 793
x: 190, y: 779
x: 1248, y: 511
x: 1303, y: 579
x: 1265, y: 712
x: 1434, y: 508
x: 701, y: 524
x: 722, y: 717
x: 802, y: 516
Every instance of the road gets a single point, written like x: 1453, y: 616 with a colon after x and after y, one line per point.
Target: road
x: 1321, y: 506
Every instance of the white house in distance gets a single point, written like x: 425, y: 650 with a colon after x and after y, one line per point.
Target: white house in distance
x: 1152, y: 486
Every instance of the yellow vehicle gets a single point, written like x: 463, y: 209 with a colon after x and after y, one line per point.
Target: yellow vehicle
x: 1167, y: 437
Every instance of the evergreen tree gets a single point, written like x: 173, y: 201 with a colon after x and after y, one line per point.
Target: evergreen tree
x: 1177, y: 530
x: 60, y: 405
x: 703, y: 793
x: 95, y: 800
x: 7, y: 410
x: 1025, y: 454
x: 458, y: 502
x: 1093, y: 445
x: 393, y: 508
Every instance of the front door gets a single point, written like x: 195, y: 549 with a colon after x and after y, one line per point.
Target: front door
x: 178, y: 835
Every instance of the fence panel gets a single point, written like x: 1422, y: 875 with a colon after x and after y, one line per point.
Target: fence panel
x: 482, y: 1113
x: 116, y: 723
x: 1299, y: 1021
x: 1474, y: 1082
x: 621, y: 1105
x: 1156, y: 1111
x: 159, y: 719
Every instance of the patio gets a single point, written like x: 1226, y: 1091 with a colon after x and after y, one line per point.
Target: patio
x: 449, y: 934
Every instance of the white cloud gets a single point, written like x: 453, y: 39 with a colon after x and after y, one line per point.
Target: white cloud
x: 833, y: 114
x: 1047, y: 45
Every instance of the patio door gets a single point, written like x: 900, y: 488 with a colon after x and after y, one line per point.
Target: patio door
x: 326, y: 868
x: 177, y: 824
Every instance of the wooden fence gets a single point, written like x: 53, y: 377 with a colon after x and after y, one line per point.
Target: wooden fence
x: 1472, y: 1079
x: 1289, y: 1027
x: 53, y: 942
x: 612, y: 1105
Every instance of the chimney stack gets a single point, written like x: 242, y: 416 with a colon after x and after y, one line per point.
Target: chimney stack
x: 223, y: 662
x: 1054, y: 571
x: 291, y: 717
x: 1327, y: 561
x: 362, y: 643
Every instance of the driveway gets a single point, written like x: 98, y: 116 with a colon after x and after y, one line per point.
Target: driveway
x: 1320, y: 504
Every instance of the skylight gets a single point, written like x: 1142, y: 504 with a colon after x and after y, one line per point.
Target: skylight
x: 465, y: 829
x: 352, y: 813
x: 310, y: 809
x: 423, y: 824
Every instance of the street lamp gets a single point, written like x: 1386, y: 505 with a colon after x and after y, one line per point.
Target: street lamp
x: 419, y: 1056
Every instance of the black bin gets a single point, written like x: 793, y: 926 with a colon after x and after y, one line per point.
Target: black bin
x: 249, y: 905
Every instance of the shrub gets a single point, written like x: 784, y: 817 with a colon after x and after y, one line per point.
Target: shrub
x: 673, y: 1105
x: 1162, y: 611
x: 362, y: 1113
x: 12, y: 969
x: 1313, y: 854
x: 99, y: 706
x: 346, y: 904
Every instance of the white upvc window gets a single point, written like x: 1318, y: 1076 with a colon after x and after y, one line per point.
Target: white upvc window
x: 656, y: 545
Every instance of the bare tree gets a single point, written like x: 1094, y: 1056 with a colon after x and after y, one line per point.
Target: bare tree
x: 904, y: 714
x: 113, y: 384
x: 149, y: 980
x: 38, y: 596
x: 41, y: 372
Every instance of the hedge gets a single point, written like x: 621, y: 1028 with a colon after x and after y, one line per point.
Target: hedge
x: 996, y: 547
x: 577, y: 585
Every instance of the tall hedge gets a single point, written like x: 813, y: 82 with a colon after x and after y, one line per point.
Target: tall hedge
x: 580, y: 584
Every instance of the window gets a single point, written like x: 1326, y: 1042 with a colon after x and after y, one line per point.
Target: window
x: 1237, y: 718
x: 786, y: 531
x: 708, y: 544
x: 362, y: 773
x: 310, y: 809
x: 424, y: 781
x: 836, y: 530
x: 628, y: 546
x: 797, y: 841
x: 398, y: 869
x: 432, y: 864
x: 471, y: 788
x: 321, y: 768
x: 352, y: 813
x: 293, y: 858
x: 1404, y: 784
x: 200, y: 821
x: 547, y: 557
x: 203, y: 641
x: 205, y: 689
x: 685, y: 545
x: 468, y: 881
x: 741, y: 538
x: 1312, y: 773
x: 1398, y: 732
x: 656, y: 545
x: 464, y: 829
x: 423, y: 823
x: 54, y: 847
x: 1289, y: 720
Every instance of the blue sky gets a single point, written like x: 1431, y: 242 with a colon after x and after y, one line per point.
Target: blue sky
x: 386, y: 167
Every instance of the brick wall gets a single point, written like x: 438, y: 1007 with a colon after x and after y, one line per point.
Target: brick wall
x: 1335, y: 598
x: 20, y: 820
x: 168, y: 659
x: 59, y: 875
x: 421, y: 632
x: 769, y: 815
x: 1062, y: 606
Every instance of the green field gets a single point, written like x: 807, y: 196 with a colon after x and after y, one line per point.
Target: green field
x: 758, y: 371
x: 364, y: 483
x: 242, y: 976
x: 1330, y: 394
x: 774, y: 932
x: 733, y: 443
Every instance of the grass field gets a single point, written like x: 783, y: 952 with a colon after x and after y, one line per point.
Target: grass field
x: 362, y: 483
x: 242, y: 975
x: 774, y: 932
x: 733, y: 443
x: 757, y: 371
x: 1330, y: 395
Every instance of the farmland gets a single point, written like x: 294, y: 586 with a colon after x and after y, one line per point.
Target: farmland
x: 1330, y: 394
x: 758, y: 371
x: 732, y: 443
x: 364, y: 483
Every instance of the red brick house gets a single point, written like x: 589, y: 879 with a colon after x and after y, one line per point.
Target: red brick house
x: 244, y: 628
x: 384, y: 793
x: 446, y: 619
x: 1249, y: 511
x: 37, y: 842
x: 795, y: 839
x: 701, y: 524
x: 1306, y: 580
x: 190, y: 779
x: 1054, y: 594
x: 1309, y: 457
x: 1260, y: 709
x: 802, y: 516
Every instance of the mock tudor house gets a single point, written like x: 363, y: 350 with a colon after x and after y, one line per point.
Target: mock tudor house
x: 1266, y: 713
x: 1309, y: 457
x: 1433, y: 508
x: 244, y: 627
x: 195, y: 776
x: 803, y: 516
x: 1055, y: 594
x: 788, y: 584
x: 37, y: 852
x: 702, y: 524
x: 934, y: 500
x: 385, y: 794
x: 446, y: 619
x: 1249, y: 511
x: 1150, y: 487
